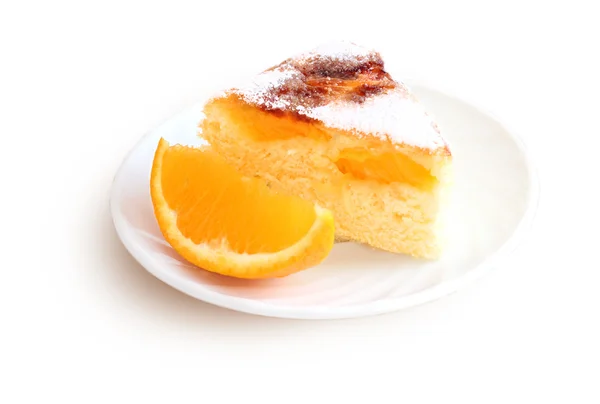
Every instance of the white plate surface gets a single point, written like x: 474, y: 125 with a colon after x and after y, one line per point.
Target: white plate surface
x: 494, y: 197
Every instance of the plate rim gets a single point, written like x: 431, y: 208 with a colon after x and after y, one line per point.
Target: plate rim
x: 256, y: 307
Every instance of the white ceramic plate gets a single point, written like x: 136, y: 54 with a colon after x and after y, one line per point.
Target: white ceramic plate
x: 495, y: 195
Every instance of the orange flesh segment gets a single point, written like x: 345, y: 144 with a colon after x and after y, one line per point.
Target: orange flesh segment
x: 213, y: 202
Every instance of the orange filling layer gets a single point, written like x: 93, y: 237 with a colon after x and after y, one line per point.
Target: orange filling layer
x: 387, y: 167
x: 261, y: 125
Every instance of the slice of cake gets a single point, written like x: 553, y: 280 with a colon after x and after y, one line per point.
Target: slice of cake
x: 332, y: 126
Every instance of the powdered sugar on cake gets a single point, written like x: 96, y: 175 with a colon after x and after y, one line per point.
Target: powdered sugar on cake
x: 390, y: 115
x: 260, y: 89
x: 344, y: 86
x: 338, y: 50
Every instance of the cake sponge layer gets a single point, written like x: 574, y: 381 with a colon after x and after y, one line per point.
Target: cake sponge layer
x: 382, y: 194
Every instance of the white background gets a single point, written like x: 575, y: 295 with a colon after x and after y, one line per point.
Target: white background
x: 82, y: 322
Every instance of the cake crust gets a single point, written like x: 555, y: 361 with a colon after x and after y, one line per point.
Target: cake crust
x: 345, y: 86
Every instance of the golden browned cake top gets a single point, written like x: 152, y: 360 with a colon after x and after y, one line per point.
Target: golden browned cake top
x: 345, y: 86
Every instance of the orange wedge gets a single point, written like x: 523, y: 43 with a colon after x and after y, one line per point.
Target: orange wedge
x: 233, y: 225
